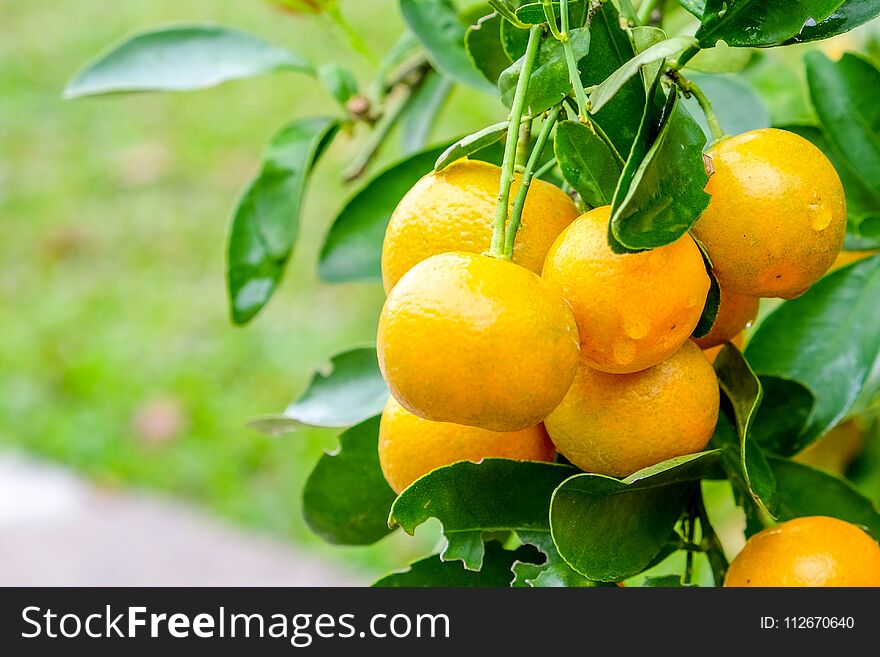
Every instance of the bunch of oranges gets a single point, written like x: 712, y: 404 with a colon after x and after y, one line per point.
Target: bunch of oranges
x: 574, y: 348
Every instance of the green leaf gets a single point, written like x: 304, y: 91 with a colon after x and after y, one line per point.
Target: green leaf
x: 664, y: 195
x: 713, y: 300
x: 352, y: 250
x: 827, y: 340
x: 434, y: 572
x: 471, y: 144
x: 422, y: 109
x: 441, y: 30
x: 349, y: 391
x: 181, y: 58
x: 846, y: 17
x: 611, y: 48
x: 744, y: 392
x: 549, y: 82
x: 457, y: 496
x: 339, y: 81
x: 533, y: 13
x: 586, y: 162
x: 862, y: 203
x: 805, y: 491
x: 552, y: 572
x: 759, y: 23
x: 695, y: 7
x: 785, y: 409
x: 846, y: 95
x: 346, y: 499
x: 483, y: 43
x: 736, y: 103
x: 266, y: 220
x: 664, y: 582
x: 658, y: 52
x: 609, y: 529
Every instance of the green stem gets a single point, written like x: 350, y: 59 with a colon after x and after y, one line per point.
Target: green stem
x: 507, y: 13
x: 507, y: 164
x: 520, y: 202
x: 685, y: 57
x: 711, y: 543
x: 645, y: 10
x: 550, y: 15
x: 690, y: 88
x: 377, y: 137
x: 544, y: 168
x: 573, y: 74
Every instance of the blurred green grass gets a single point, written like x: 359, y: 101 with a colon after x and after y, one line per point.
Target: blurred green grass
x: 114, y: 215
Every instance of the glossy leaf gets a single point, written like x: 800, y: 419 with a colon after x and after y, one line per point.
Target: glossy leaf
x: 349, y: 391
x: 352, y: 250
x: 658, y: 52
x: 713, y: 300
x: 609, y: 529
x: 805, y: 491
x: 422, y: 111
x: 434, y: 572
x: 339, y: 81
x: 483, y: 43
x: 456, y: 496
x: 846, y: 17
x: 181, y: 58
x: 346, y: 499
x: 471, y: 144
x: 266, y: 220
x: 744, y: 392
x: 586, y: 162
x: 549, y: 82
x: 827, y: 340
x: 610, y: 48
x: 695, y: 7
x: 759, y: 23
x: 552, y: 571
x: 846, y: 95
x: 441, y: 30
x: 664, y: 196
x: 736, y: 103
x: 785, y: 409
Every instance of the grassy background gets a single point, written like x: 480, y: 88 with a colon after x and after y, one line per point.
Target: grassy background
x: 114, y: 215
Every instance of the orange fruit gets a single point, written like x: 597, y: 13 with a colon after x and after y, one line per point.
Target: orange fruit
x: 812, y: 551
x: 616, y: 424
x: 777, y: 216
x: 633, y: 310
x: 473, y: 340
x: 735, y: 314
x: 712, y: 352
x: 453, y: 210
x: 410, y: 447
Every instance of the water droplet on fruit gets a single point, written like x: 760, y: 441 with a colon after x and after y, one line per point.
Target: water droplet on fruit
x: 624, y: 351
x: 636, y: 327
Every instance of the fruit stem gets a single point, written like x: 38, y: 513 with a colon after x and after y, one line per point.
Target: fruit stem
x: 516, y: 112
x: 689, y: 88
x: 645, y: 10
x: 573, y: 74
x: 520, y: 202
x: 507, y: 13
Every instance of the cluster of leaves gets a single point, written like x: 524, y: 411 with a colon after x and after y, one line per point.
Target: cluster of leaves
x: 811, y: 363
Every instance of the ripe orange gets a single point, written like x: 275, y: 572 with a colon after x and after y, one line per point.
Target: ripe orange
x: 777, y: 217
x: 453, y: 211
x: 633, y: 310
x: 735, y: 314
x: 473, y: 340
x: 812, y: 551
x: 616, y: 424
x: 410, y: 447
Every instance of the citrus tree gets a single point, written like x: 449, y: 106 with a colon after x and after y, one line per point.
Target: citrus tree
x: 569, y: 290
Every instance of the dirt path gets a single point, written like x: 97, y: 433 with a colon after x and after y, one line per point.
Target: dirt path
x: 56, y: 529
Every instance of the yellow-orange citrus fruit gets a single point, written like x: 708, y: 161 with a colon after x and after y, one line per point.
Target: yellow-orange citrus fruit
x: 453, y: 211
x: 735, y: 314
x: 846, y: 257
x: 473, y: 340
x: 812, y: 551
x: 632, y: 310
x: 777, y: 216
x: 836, y: 449
x: 616, y: 424
x: 712, y: 352
x: 410, y: 447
